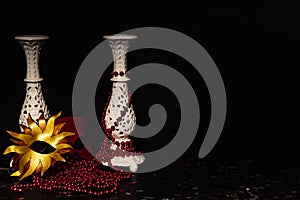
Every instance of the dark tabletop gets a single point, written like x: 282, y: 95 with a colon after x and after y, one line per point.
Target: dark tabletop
x: 193, y: 179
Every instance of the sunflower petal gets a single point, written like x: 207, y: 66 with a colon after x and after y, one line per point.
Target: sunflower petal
x: 46, y: 165
x: 42, y: 122
x: 63, y: 141
x: 16, y: 160
x: 39, y: 168
x: 57, y: 157
x: 18, y: 142
x: 29, y: 119
x: 32, y: 166
x: 57, y: 128
x: 63, y: 151
x: 63, y: 146
x: 17, y: 173
x: 26, y: 130
x: 20, y: 136
x: 33, y: 126
x: 24, y: 160
x: 55, y: 139
x: 16, y: 149
x: 50, y: 124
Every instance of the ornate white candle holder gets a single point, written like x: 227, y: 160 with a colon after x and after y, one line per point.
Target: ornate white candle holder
x: 34, y: 103
x: 119, y: 119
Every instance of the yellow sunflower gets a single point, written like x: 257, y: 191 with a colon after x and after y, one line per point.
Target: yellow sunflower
x: 35, y: 154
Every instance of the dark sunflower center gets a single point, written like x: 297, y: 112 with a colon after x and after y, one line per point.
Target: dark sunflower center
x: 42, y: 147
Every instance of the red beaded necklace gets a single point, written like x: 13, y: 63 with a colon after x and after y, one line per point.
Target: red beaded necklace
x: 76, y: 175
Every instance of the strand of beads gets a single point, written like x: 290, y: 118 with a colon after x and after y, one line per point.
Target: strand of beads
x: 76, y: 176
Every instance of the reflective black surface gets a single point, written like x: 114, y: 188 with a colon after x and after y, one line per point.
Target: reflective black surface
x: 194, y: 179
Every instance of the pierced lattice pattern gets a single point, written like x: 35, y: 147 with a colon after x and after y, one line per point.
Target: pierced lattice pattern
x: 120, y: 117
x: 34, y: 103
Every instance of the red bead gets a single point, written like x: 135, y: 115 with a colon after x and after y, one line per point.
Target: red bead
x: 78, y: 175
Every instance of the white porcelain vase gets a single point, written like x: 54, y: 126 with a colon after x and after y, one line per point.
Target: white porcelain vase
x: 119, y: 117
x: 34, y: 103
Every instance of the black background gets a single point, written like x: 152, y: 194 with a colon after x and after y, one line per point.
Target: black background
x: 255, y: 49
